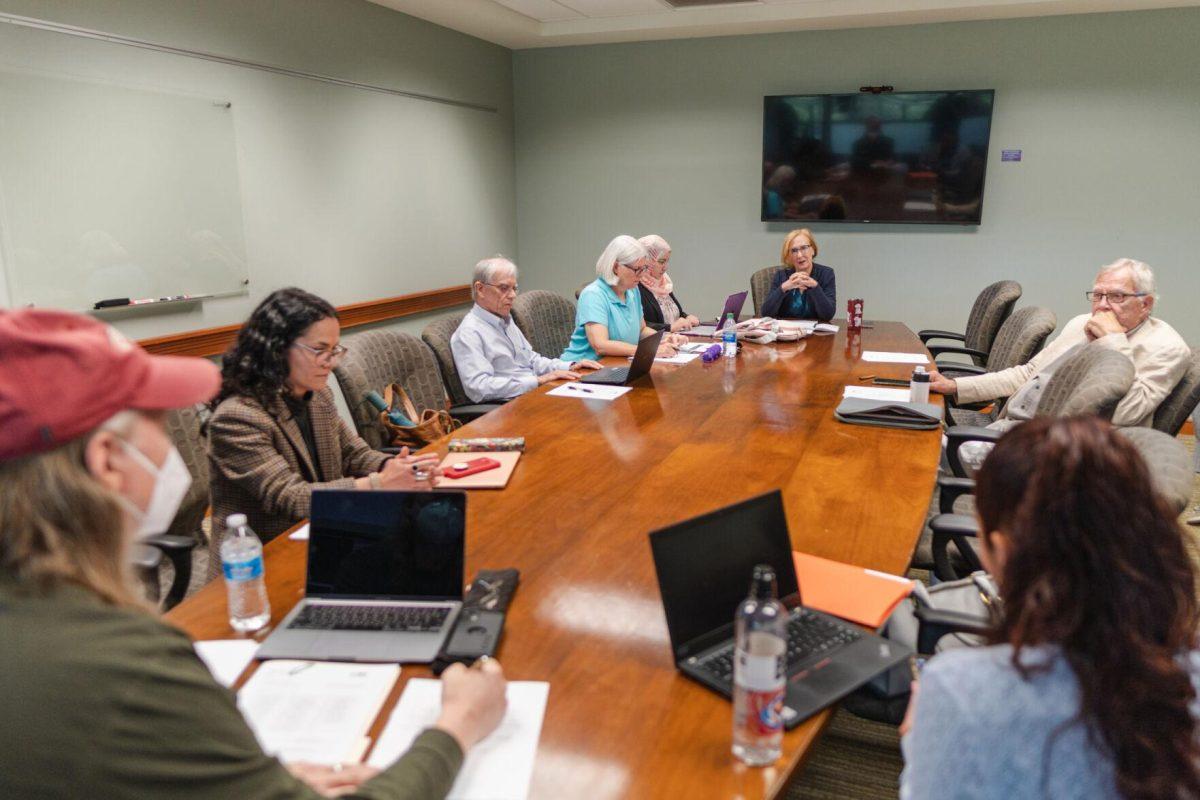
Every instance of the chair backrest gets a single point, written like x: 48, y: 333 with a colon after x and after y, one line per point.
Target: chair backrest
x: 1181, y: 402
x: 183, y: 426
x: 993, y: 305
x: 760, y: 286
x: 547, y: 320
x: 437, y: 335
x: 375, y: 359
x: 1093, y: 381
x: 1021, y: 337
x: 1171, y: 467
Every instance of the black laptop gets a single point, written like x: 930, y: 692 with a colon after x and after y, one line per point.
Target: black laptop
x: 643, y: 360
x: 704, y: 568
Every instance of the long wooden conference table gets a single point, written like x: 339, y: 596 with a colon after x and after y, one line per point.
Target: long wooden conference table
x: 596, y: 477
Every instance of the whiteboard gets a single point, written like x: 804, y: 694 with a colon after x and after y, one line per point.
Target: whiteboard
x: 111, y: 191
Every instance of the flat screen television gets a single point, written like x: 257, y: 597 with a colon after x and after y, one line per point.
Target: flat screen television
x: 907, y: 157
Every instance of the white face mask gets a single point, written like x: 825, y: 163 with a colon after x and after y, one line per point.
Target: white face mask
x: 171, y: 483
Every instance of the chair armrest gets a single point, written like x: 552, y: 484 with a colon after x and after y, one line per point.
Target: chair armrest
x: 934, y: 623
x: 932, y: 333
x: 466, y: 413
x: 179, y: 550
x: 950, y: 489
x: 938, y: 350
x: 961, y: 434
x: 957, y: 528
x: 951, y: 368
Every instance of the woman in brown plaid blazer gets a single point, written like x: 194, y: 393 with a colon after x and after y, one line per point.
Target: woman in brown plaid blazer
x: 275, y: 433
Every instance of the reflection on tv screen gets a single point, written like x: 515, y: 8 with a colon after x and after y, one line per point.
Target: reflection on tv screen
x: 903, y: 157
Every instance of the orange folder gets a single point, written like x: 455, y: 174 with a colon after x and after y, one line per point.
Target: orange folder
x: 853, y: 593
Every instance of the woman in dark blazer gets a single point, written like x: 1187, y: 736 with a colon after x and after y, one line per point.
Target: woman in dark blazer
x: 803, y: 289
x: 660, y: 307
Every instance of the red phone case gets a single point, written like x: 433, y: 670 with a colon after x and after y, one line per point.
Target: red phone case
x: 473, y: 466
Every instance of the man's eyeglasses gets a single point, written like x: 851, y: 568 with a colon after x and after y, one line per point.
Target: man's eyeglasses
x: 1114, y: 298
x: 804, y: 248
x: 505, y: 288
x: 323, y: 355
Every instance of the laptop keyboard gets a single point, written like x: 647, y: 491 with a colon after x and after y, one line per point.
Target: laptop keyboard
x: 612, y: 373
x: 808, y: 635
x: 370, y: 618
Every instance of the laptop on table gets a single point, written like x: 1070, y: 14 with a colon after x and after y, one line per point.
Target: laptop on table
x: 704, y: 567
x: 643, y: 360
x: 733, y: 305
x: 384, y: 578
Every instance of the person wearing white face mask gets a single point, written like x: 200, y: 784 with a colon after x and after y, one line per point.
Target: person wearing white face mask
x: 101, y: 698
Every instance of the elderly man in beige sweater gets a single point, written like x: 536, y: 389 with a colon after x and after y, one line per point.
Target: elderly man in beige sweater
x: 1122, y: 299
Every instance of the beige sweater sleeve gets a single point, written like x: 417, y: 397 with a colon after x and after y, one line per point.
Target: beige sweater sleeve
x: 994, y: 385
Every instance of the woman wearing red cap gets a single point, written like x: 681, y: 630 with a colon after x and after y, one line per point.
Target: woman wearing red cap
x: 100, y: 698
x: 275, y: 434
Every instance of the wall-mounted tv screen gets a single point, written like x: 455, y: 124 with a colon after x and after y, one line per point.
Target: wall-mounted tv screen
x: 898, y: 157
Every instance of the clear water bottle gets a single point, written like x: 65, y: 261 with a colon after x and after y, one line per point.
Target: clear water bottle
x: 242, y: 563
x: 729, y: 337
x: 759, y: 672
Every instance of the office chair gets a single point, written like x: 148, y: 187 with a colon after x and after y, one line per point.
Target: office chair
x: 760, y: 286
x: 547, y: 320
x: 1174, y: 410
x: 437, y: 336
x: 993, y: 305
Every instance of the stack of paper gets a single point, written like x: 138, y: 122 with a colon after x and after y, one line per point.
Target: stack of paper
x: 498, y: 768
x: 877, y: 393
x: 894, y: 358
x: 226, y: 659
x: 315, y: 711
x: 589, y: 391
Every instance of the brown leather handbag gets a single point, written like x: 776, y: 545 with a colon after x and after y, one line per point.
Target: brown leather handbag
x: 429, y: 425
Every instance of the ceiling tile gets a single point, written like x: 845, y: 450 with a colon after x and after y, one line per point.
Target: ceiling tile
x: 541, y: 10
x: 616, y: 8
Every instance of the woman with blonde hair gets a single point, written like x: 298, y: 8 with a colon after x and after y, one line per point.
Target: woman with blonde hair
x: 101, y: 699
x: 660, y: 306
x: 803, y: 289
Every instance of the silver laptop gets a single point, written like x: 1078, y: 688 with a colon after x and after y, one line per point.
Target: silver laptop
x: 733, y: 305
x: 384, y: 579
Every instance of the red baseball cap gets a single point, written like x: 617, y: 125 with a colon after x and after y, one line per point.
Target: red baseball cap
x: 63, y: 374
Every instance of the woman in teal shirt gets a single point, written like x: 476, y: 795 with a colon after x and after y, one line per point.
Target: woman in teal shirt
x: 609, y: 319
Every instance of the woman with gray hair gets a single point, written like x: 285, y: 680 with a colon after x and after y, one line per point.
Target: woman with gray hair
x: 660, y: 306
x: 609, y: 320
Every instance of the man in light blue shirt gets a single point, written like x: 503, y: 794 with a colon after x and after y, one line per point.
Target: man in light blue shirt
x: 494, y: 359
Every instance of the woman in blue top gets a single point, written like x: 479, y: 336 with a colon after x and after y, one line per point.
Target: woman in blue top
x: 1089, y: 686
x: 803, y: 289
x: 609, y: 320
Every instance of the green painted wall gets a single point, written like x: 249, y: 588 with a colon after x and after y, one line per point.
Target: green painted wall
x: 666, y: 138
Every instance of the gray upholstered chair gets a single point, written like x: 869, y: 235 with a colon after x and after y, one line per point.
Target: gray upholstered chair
x: 375, y: 359
x: 993, y: 305
x: 760, y: 286
x: 1021, y: 337
x: 1170, y: 465
x: 547, y: 320
x: 1181, y: 402
x: 437, y: 336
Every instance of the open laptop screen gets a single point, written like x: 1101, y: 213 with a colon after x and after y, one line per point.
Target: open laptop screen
x: 705, y: 565
x: 387, y: 545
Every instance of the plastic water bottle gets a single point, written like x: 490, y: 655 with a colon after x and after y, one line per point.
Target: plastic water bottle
x: 759, y: 672
x: 918, y: 386
x: 242, y: 563
x: 729, y: 337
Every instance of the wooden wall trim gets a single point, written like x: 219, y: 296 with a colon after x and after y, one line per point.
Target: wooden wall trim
x: 215, y: 341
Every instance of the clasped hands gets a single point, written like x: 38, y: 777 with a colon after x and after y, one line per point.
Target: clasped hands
x: 798, y: 280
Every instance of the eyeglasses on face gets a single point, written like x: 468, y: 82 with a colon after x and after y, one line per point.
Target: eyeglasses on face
x: 505, y: 288
x: 323, y: 355
x: 801, y: 248
x: 636, y: 270
x: 1114, y: 298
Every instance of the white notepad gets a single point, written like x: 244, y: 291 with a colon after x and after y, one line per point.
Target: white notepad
x: 226, y: 659
x: 498, y: 768
x: 877, y: 393
x: 315, y: 711
x: 894, y: 358
x: 589, y: 391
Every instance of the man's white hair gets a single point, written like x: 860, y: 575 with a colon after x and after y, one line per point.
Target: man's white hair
x: 487, y: 270
x: 1143, y: 276
x: 656, y: 246
x: 624, y: 250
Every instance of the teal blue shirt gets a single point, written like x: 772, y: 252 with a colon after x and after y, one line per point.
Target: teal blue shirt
x: 598, y: 303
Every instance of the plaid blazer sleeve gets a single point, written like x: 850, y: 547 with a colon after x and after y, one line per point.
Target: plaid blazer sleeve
x: 358, y: 458
x: 244, y: 450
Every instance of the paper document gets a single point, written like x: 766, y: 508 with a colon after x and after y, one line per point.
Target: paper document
x: 315, y: 711
x: 695, y: 347
x: 894, y: 358
x: 300, y: 534
x: 588, y: 391
x: 877, y: 393
x: 498, y: 768
x: 679, y: 358
x: 226, y: 659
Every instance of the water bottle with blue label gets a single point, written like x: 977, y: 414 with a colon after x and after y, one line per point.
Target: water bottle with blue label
x: 242, y: 564
x: 729, y: 337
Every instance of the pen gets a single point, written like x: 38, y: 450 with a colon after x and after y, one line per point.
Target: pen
x: 579, y: 388
x: 866, y: 377
x: 300, y: 668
